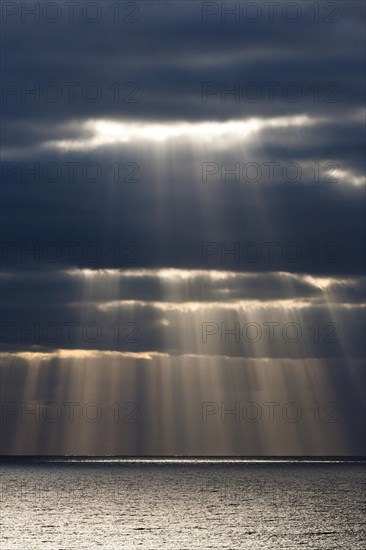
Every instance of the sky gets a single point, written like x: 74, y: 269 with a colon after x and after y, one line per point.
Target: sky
x: 182, y: 219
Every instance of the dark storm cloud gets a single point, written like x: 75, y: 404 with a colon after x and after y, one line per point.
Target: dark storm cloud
x: 151, y: 330
x: 179, y: 221
x: 67, y: 287
x: 169, y: 53
x: 168, y: 313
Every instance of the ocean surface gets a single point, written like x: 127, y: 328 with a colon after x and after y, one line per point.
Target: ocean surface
x: 127, y: 504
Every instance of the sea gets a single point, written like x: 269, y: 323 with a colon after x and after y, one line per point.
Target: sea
x: 125, y: 503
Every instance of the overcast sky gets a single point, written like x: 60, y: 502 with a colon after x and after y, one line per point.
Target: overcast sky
x: 183, y: 228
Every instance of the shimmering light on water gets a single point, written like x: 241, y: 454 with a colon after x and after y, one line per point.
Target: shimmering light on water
x: 195, y: 504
